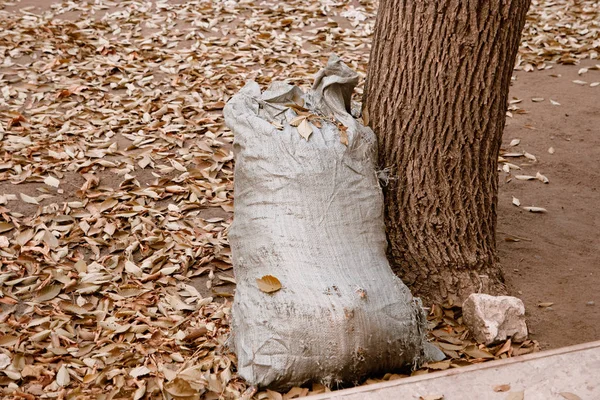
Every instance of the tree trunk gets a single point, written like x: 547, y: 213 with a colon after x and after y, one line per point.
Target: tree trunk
x: 436, y: 95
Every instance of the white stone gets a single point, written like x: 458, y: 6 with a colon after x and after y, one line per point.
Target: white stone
x: 495, y: 318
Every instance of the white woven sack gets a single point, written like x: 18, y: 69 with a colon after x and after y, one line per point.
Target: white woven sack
x: 310, y: 213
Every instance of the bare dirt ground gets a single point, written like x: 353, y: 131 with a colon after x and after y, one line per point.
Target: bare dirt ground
x: 560, y: 261
x: 549, y: 257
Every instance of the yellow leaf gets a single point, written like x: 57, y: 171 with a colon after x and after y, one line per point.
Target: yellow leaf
x: 268, y: 284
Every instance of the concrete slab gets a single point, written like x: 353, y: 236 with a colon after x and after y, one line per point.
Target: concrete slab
x: 545, y: 375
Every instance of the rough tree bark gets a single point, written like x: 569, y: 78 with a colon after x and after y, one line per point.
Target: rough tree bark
x: 436, y: 95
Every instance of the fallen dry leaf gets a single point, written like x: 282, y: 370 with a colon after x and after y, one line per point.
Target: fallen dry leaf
x: 502, y: 388
x: 62, y: 377
x: 28, y: 199
x: 541, y: 178
x: 525, y: 177
x: 535, y: 209
x: 268, y: 284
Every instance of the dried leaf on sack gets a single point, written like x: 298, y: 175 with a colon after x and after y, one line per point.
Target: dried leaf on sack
x: 343, y: 134
x: 305, y: 129
x: 268, y: 284
x: 296, y: 121
x: 502, y: 388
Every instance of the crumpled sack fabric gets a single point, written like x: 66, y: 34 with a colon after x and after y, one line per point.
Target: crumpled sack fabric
x: 310, y: 213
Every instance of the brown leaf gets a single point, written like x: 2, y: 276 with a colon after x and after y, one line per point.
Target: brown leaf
x: 502, y: 388
x: 505, y: 348
x: 48, y: 293
x: 447, y: 346
x: 8, y: 340
x: 214, y: 106
x: 108, y: 204
x: 180, y: 388
x: 343, y: 134
x: 476, y: 352
x: 268, y: 284
x: 6, y: 227
x: 440, y: 365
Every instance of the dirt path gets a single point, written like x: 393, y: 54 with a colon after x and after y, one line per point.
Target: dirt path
x: 561, y: 262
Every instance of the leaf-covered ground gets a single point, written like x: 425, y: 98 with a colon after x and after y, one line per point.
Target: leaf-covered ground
x: 116, y: 182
